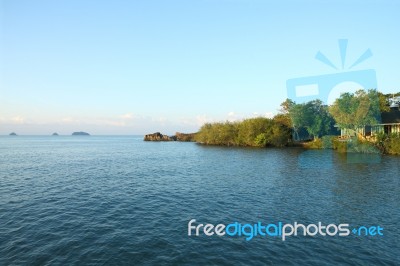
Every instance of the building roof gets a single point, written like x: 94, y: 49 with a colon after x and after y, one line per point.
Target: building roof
x: 391, y: 117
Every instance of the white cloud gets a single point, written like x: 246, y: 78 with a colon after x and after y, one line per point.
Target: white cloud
x: 202, y: 119
x: 18, y: 120
x: 15, y: 120
x: 127, y: 116
x: 269, y: 114
x: 68, y: 120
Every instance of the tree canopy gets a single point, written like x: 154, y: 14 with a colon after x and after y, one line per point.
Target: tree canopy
x: 313, y: 116
x: 355, y: 110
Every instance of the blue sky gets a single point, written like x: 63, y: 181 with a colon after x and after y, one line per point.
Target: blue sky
x: 135, y: 67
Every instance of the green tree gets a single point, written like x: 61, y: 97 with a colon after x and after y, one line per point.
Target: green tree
x: 355, y: 110
x: 313, y: 116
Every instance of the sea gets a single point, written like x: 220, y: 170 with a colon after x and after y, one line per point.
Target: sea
x: 118, y: 200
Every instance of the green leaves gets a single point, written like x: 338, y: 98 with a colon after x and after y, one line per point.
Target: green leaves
x: 255, y: 132
x: 313, y: 116
x: 355, y: 110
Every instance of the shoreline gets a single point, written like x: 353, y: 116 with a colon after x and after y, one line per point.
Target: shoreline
x: 351, y: 145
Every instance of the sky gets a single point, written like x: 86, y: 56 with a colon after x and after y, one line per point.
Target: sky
x: 136, y: 67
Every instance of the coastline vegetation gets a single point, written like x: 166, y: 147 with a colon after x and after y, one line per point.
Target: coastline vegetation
x: 253, y: 132
x: 389, y: 144
x: 311, y: 125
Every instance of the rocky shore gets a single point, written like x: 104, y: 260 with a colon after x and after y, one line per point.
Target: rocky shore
x: 157, y: 137
x: 177, y: 137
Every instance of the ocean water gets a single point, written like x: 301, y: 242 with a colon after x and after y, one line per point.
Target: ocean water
x: 119, y: 200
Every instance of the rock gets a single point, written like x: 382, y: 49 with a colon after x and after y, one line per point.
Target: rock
x: 185, y: 136
x: 80, y: 133
x: 13, y: 134
x: 177, y: 137
x: 157, y: 137
x: 55, y: 134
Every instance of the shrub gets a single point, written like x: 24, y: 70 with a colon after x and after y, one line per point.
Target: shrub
x: 389, y: 144
x: 328, y: 141
x: 257, y: 132
x: 315, y: 144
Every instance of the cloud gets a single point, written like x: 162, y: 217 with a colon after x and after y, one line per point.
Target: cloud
x: 15, y: 120
x: 269, y: 114
x: 202, y: 119
x: 118, y: 121
x: 18, y: 120
x: 68, y: 120
x: 127, y: 116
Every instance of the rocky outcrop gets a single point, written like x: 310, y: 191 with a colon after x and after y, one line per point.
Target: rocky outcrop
x: 55, y: 134
x: 185, y: 136
x: 177, y: 137
x: 13, y: 134
x: 157, y: 137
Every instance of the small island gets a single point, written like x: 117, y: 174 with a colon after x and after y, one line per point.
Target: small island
x: 80, y: 133
x: 13, y: 134
x: 55, y: 134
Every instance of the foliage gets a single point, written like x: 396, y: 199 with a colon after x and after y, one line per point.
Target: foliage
x: 255, y: 132
x: 286, y: 106
x: 218, y: 134
x: 356, y: 110
x: 311, y: 119
x: 354, y: 145
x: 315, y: 144
x: 283, y: 119
x: 313, y: 116
x: 261, y: 140
x: 328, y: 141
x: 384, y: 102
x: 389, y: 144
x: 339, y: 145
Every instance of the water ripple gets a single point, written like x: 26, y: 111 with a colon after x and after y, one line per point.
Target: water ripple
x: 119, y: 200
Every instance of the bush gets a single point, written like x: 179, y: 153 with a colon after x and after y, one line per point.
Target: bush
x: 328, y: 141
x: 389, y: 144
x: 261, y: 140
x: 339, y: 145
x: 255, y: 132
x: 315, y: 144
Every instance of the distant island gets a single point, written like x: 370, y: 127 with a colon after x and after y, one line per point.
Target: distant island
x: 55, y: 134
x: 13, y: 134
x: 80, y: 133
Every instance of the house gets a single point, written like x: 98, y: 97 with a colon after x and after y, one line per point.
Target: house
x: 390, y: 123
